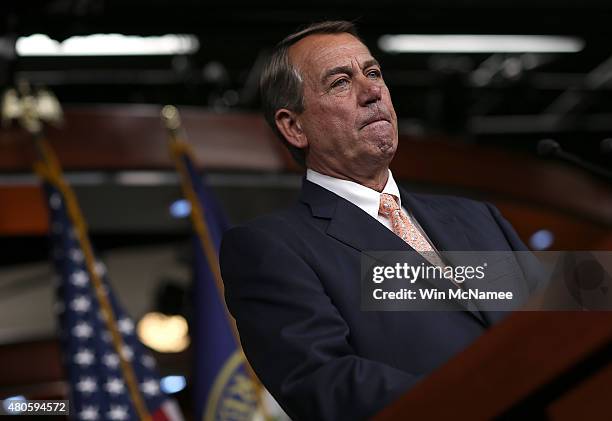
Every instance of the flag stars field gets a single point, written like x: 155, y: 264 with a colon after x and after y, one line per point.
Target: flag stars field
x: 111, y: 360
x: 77, y: 256
x: 115, y: 386
x: 97, y: 376
x: 89, y: 413
x: 82, y: 330
x: 118, y: 412
x: 127, y: 353
x: 55, y: 201
x: 79, y: 278
x: 150, y: 387
x: 84, y: 357
x: 126, y: 326
x: 86, y: 385
x: 80, y: 304
x: 148, y: 361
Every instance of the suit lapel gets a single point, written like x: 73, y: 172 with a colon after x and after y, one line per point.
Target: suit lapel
x: 352, y: 226
x: 441, y: 227
x: 447, y: 234
x: 348, y: 223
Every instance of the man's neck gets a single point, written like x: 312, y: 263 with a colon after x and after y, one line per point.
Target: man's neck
x: 375, y: 181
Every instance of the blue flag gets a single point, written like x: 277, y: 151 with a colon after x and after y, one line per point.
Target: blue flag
x: 98, y: 387
x: 223, y: 388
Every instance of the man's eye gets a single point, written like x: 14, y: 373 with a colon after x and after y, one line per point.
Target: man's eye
x: 374, y: 74
x: 340, y: 83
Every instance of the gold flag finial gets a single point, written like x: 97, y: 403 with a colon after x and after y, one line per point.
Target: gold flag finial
x: 171, y: 117
x: 30, y: 109
x: 48, y: 107
x: 11, y: 107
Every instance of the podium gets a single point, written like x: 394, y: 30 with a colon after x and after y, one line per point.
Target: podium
x: 533, y: 365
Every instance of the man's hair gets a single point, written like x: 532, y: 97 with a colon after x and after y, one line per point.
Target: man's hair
x: 281, y: 84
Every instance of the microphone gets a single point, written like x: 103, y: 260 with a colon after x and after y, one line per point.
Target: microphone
x: 550, y: 148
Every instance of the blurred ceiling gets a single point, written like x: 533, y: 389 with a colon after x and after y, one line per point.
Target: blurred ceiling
x: 509, y: 99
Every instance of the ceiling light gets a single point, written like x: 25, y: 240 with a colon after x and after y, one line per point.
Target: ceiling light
x: 479, y: 44
x: 144, y: 178
x: 107, y: 45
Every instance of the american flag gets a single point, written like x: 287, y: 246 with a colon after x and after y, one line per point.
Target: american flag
x: 98, y: 388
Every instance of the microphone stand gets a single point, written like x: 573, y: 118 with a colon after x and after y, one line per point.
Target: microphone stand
x: 551, y: 148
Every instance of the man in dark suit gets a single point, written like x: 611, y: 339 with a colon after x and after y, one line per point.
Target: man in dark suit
x: 292, y: 279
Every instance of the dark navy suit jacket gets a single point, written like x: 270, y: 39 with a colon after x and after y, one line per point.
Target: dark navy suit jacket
x: 292, y: 283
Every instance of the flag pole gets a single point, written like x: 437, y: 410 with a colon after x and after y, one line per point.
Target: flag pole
x: 50, y: 169
x: 172, y: 121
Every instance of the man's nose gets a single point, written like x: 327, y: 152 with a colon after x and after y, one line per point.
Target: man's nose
x: 370, y: 91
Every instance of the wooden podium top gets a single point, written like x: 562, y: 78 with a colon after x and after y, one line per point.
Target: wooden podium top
x: 528, y: 361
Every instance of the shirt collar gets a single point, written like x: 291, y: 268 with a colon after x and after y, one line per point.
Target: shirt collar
x: 363, y: 197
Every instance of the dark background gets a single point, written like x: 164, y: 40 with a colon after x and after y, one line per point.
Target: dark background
x: 564, y: 96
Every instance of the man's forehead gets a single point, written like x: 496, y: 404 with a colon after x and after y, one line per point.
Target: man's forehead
x: 318, y: 51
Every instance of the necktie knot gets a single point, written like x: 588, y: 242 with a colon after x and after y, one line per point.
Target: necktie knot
x: 388, y: 205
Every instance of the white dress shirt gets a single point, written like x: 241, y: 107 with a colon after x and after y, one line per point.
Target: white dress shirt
x: 364, y: 197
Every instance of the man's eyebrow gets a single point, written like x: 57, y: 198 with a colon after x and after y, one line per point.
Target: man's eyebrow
x: 347, y: 69
x: 371, y: 62
x: 336, y: 70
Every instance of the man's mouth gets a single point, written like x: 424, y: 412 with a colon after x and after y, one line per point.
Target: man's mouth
x: 373, y: 120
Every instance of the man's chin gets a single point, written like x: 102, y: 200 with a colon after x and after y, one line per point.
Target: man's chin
x: 386, y: 146
x: 381, y: 153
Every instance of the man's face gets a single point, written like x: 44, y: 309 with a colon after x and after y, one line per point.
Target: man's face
x: 348, y: 119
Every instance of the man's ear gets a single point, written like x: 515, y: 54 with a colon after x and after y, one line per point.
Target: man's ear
x: 289, y: 125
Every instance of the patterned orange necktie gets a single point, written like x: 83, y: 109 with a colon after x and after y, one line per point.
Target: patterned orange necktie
x: 401, y: 225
